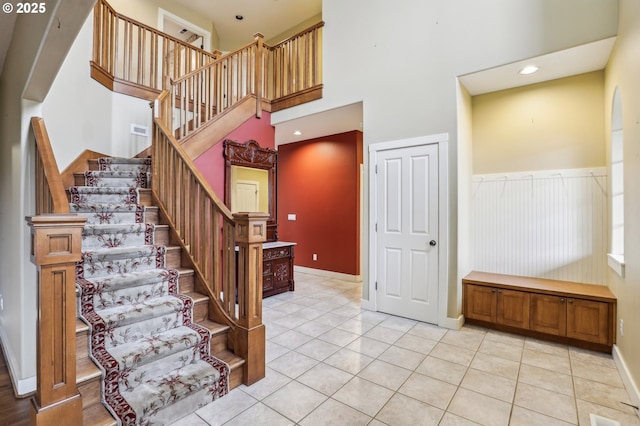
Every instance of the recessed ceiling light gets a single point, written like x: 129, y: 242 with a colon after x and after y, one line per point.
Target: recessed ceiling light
x: 297, y: 133
x: 239, y: 17
x: 529, y: 69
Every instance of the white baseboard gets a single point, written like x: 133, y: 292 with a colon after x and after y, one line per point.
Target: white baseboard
x: 367, y: 304
x: 21, y: 387
x: 452, y: 323
x: 328, y: 274
x: 627, y: 379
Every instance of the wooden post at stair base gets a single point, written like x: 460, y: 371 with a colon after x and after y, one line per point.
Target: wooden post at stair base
x: 251, y: 232
x: 55, y: 248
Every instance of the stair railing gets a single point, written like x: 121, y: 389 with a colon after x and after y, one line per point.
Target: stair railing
x: 208, y: 233
x: 50, y: 193
x: 134, y: 58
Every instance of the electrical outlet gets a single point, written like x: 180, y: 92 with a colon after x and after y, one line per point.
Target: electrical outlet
x: 621, y: 327
x: 1, y: 303
x: 315, y: 256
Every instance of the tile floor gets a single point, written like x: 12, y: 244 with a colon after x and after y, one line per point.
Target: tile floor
x: 331, y: 363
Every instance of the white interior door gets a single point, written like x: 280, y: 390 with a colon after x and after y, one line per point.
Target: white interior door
x: 407, y: 232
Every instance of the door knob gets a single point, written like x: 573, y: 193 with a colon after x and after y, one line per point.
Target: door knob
x: 432, y: 243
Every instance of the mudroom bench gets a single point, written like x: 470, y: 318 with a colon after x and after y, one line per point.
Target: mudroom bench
x: 567, y: 312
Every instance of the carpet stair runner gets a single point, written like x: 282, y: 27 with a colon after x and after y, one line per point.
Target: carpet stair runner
x: 155, y: 361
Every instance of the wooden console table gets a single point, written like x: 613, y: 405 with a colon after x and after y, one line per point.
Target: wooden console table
x: 578, y: 314
x: 277, y: 268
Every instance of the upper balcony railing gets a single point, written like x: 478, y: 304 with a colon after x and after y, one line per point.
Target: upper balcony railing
x: 135, y: 59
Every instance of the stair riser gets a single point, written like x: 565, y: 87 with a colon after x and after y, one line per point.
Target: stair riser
x: 200, y: 310
x: 90, y: 391
x: 218, y: 343
x: 235, y: 378
x: 82, y: 344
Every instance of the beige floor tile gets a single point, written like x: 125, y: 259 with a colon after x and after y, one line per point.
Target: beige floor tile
x: 191, y: 420
x: 332, y: 413
x: 292, y: 364
x: 364, y: 396
x: 586, y: 408
x: 368, y: 346
x: 224, y: 409
x: 489, y: 384
x: 375, y: 422
x: 591, y: 357
x: 501, y: 349
x: 479, y: 408
x: 450, y: 419
x: 274, y: 330
x: 427, y: 331
x: 346, y: 311
x: 260, y: 414
x: 265, y: 387
x: 310, y: 313
x: 547, y: 402
x: 398, y: 323
x: 356, y: 326
x: 523, y: 417
x: 416, y: 343
x: 463, y: 338
x: 295, y: 400
x: 402, y: 410
x: 559, y: 364
x: 384, y: 334
x: 440, y: 369
x: 402, y: 357
x: 349, y: 361
x: 273, y: 351
x: 312, y: 328
x: 495, y: 365
x: 546, y: 379
x: 602, y: 394
x: 385, y: 374
x: 597, y: 373
x: 318, y: 349
x: 506, y: 338
x: 325, y: 378
x: 289, y: 321
x: 452, y: 353
x: 372, y: 317
x: 330, y: 319
x: 288, y: 308
x: 338, y: 337
x: 291, y: 339
x: 550, y: 348
x: 429, y: 390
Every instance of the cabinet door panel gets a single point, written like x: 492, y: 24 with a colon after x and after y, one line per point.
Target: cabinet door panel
x: 548, y: 314
x: 588, y: 320
x: 480, y: 303
x: 282, y: 273
x: 513, y: 308
x: 267, y: 276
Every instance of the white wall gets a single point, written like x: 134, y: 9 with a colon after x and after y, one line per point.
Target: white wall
x: 401, y: 59
x: 82, y: 114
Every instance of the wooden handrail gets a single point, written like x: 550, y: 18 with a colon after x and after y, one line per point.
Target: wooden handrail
x: 50, y: 194
x: 207, y: 231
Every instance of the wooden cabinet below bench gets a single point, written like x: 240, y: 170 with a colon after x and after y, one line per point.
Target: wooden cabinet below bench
x: 573, y: 313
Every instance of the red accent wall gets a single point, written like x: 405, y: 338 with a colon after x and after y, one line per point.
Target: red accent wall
x: 319, y: 182
x: 211, y: 162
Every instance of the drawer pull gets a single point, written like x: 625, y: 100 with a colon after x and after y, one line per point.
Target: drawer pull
x: 570, y: 300
x: 493, y: 290
x: 562, y: 300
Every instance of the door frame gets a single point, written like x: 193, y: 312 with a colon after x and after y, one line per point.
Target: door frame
x: 442, y: 140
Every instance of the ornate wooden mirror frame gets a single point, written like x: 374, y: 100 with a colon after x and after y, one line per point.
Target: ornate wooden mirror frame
x: 249, y: 154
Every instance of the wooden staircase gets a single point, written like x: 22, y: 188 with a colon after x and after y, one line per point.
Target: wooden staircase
x: 88, y: 375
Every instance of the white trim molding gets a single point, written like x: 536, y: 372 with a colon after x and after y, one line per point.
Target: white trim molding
x: 627, y: 379
x: 22, y: 387
x: 328, y: 274
x: 616, y: 262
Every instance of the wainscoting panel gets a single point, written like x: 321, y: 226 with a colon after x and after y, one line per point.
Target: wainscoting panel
x: 546, y: 224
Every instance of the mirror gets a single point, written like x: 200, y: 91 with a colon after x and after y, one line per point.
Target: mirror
x: 250, y: 181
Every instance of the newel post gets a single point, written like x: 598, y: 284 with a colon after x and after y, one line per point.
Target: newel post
x: 251, y: 232
x: 259, y: 72
x: 55, y: 248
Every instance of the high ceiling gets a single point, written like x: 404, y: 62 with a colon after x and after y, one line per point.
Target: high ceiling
x: 268, y: 17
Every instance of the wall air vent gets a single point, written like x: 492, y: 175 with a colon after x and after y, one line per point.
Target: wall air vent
x: 137, y: 129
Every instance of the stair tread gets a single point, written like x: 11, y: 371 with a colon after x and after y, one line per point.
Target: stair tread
x: 81, y: 327
x: 230, y: 358
x: 197, y: 297
x: 97, y: 415
x: 214, y: 327
x: 86, y: 370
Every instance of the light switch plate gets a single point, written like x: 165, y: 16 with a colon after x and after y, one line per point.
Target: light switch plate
x: 291, y: 216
